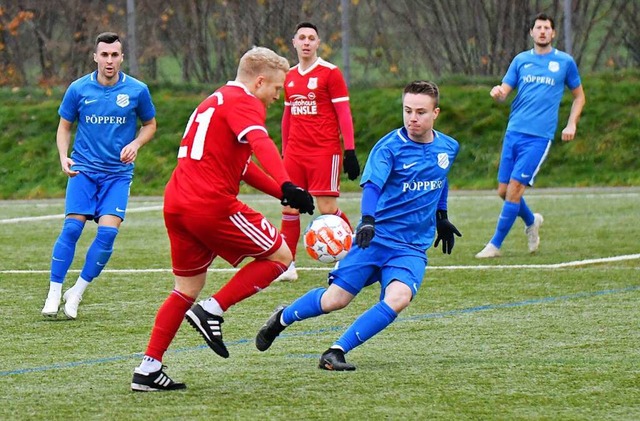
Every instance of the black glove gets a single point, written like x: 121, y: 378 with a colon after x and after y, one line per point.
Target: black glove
x: 445, y: 232
x: 365, y: 231
x: 350, y: 164
x: 296, y: 197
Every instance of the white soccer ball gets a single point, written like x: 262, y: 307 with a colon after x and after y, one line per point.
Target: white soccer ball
x: 328, y: 238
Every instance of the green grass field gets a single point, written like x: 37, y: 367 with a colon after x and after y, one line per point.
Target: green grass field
x: 554, y: 336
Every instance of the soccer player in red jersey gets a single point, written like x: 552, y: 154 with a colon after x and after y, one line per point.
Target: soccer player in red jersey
x: 316, y: 114
x: 205, y: 219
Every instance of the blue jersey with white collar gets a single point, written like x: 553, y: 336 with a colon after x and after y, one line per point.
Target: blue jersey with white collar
x: 411, y: 177
x: 107, y: 120
x: 540, y: 80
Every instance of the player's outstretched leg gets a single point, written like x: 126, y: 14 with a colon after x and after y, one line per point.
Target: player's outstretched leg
x: 154, y: 382
x: 333, y: 360
x: 210, y: 327
x: 270, y: 330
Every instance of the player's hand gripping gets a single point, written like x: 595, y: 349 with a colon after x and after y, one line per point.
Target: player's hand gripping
x: 350, y: 164
x: 296, y: 197
x: 445, y: 232
x: 365, y: 231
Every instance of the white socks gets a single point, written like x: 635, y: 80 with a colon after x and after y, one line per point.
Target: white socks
x: 150, y: 365
x: 212, y: 306
x: 80, y: 286
x: 55, y: 289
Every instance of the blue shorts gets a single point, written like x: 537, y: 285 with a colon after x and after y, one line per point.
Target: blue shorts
x: 95, y: 194
x: 379, y: 263
x: 522, y: 156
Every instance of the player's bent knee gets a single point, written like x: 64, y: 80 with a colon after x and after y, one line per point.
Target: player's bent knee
x: 282, y: 255
x: 398, y: 296
x: 335, y: 298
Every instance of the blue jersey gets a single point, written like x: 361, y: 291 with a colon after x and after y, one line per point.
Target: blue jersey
x: 107, y: 120
x: 411, y: 177
x: 540, y: 80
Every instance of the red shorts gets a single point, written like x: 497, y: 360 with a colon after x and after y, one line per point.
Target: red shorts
x: 319, y: 175
x: 197, y: 240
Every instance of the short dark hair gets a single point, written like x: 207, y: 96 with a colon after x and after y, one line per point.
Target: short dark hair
x: 107, y: 37
x: 423, y: 87
x: 542, y: 16
x: 306, y: 25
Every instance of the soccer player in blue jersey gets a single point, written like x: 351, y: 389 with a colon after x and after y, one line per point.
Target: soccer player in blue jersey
x: 404, y: 203
x: 539, y: 75
x: 107, y: 105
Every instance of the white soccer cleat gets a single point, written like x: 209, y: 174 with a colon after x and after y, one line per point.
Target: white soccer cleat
x: 533, y: 232
x: 489, y: 251
x: 51, y: 306
x: 71, y: 303
x: 289, y: 275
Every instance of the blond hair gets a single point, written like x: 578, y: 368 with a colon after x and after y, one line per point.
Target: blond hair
x: 259, y: 61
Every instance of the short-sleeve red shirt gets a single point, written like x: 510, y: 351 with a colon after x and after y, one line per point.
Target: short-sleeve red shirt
x: 310, y: 95
x: 214, y: 151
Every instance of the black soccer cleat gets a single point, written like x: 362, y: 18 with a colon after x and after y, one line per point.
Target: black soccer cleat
x: 154, y: 382
x: 270, y: 330
x: 210, y: 327
x: 333, y: 360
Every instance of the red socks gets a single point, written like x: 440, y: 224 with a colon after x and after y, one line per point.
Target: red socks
x: 249, y: 280
x: 290, y: 230
x: 167, y: 323
x: 344, y: 217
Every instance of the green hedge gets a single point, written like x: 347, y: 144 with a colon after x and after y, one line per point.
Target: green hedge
x: 605, y: 152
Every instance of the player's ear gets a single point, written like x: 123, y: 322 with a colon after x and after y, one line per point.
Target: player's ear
x: 95, y: 57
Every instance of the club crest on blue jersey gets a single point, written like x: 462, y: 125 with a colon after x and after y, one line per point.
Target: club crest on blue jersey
x: 122, y: 100
x: 443, y: 160
x: 554, y: 66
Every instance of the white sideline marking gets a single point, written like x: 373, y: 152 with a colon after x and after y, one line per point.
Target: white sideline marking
x: 61, y: 215
x: 321, y: 269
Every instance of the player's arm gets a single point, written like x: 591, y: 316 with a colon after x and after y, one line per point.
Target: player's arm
x: 499, y: 93
x: 256, y: 178
x: 366, y: 229
x: 267, y: 153
x: 63, y: 141
x: 284, y: 126
x: 579, y: 99
x: 129, y: 153
x: 345, y: 121
x: 445, y: 229
x: 340, y: 99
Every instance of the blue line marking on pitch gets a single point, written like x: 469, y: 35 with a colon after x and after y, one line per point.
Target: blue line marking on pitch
x: 335, y: 328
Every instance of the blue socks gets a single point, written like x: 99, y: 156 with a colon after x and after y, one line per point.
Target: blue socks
x: 304, y: 307
x: 65, y: 248
x: 366, y: 326
x: 525, y: 213
x: 99, y: 252
x: 506, y: 219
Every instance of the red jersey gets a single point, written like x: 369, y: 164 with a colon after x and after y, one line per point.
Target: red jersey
x: 217, y: 144
x: 310, y: 95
